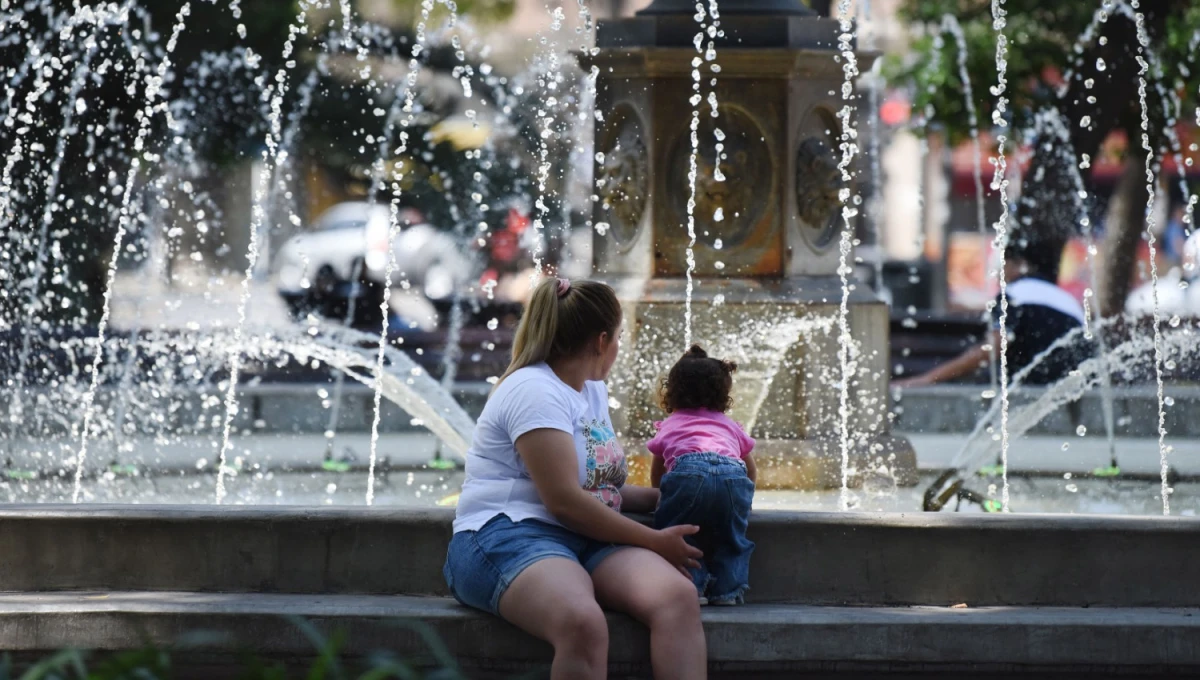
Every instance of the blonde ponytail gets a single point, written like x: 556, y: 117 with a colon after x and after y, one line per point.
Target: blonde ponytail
x: 560, y: 321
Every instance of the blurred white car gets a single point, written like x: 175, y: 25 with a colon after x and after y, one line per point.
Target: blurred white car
x: 1178, y: 288
x: 345, y: 257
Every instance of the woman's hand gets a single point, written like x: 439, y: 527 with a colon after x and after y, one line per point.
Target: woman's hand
x: 670, y: 545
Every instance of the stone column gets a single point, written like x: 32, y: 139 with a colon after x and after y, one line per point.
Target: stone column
x: 766, y: 291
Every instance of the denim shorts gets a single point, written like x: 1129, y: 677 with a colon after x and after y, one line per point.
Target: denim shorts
x: 481, y: 565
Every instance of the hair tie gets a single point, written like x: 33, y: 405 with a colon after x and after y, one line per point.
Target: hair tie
x: 564, y: 285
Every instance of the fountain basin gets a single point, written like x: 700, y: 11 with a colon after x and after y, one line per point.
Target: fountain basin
x: 886, y: 559
x: 784, y: 336
x: 832, y: 593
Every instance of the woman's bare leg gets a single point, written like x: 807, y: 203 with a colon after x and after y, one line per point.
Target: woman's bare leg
x: 642, y: 584
x: 553, y: 599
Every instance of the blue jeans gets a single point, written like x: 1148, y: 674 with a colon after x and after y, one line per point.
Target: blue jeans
x: 481, y: 565
x: 713, y: 492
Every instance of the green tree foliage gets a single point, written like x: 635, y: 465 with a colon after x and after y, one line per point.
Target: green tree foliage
x: 481, y: 11
x: 1091, y: 85
x: 1042, y: 38
x: 97, y: 149
x: 214, y: 89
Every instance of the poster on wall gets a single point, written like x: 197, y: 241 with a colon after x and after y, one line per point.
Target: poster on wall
x: 972, y: 261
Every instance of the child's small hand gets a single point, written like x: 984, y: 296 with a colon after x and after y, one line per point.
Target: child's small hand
x: 670, y: 544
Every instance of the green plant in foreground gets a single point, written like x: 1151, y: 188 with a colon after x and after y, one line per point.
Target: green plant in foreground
x: 155, y: 663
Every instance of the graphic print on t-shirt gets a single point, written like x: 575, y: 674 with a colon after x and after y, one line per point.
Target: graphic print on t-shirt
x: 606, y: 472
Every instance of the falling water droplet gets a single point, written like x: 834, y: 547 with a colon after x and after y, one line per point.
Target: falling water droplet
x: 1081, y: 430
x: 493, y: 324
x: 1100, y: 65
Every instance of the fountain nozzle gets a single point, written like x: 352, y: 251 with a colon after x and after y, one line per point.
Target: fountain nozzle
x: 948, y: 486
x: 945, y: 487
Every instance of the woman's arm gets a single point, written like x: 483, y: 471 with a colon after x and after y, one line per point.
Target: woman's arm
x: 751, y: 467
x: 639, y: 498
x: 549, y: 455
x: 657, y: 469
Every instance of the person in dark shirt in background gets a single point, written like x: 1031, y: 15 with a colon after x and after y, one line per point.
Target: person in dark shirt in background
x: 1039, y: 313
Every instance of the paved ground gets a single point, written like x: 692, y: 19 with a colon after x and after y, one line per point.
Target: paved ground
x: 196, y: 301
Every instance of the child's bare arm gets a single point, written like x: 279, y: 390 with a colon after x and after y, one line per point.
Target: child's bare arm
x: 638, y: 498
x: 657, y: 469
x: 751, y: 468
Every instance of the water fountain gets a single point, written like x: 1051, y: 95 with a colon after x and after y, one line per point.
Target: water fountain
x: 681, y: 229
x: 732, y: 229
x: 756, y: 262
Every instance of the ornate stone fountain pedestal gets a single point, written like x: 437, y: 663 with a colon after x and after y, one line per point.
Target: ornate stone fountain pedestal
x: 767, y: 224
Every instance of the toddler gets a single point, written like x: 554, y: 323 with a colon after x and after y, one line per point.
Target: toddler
x: 703, y: 467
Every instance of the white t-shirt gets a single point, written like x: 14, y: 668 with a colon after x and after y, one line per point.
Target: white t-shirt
x: 534, y: 398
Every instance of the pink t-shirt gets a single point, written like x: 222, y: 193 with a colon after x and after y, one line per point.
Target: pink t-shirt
x: 699, y: 431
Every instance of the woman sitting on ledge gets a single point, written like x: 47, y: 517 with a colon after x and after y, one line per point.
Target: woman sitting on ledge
x: 539, y: 538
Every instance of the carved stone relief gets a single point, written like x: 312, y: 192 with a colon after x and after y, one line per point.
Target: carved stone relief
x: 623, y: 174
x: 818, y: 179
x: 734, y: 176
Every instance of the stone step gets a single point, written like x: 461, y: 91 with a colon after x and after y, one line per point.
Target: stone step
x: 858, y: 559
x: 743, y: 642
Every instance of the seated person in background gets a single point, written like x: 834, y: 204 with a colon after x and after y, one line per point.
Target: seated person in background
x: 1039, y: 313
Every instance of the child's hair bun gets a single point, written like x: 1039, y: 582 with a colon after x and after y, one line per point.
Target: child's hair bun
x: 697, y: 381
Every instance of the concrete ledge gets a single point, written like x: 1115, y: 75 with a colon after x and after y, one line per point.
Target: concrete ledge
x: 754, y: 639
x: 956, y: 409
x: 810, y: 558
